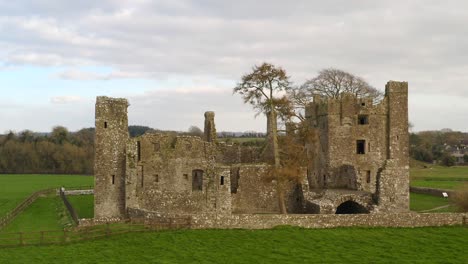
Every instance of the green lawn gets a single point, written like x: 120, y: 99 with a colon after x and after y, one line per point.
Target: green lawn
x: 284, y: 245
x: 439, y: 177
x: 83, y: 204
x: 15, y: 188
x: 46, y: 213
x: 420, y: 202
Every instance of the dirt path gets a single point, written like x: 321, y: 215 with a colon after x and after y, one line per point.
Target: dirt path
x: 434, y: 209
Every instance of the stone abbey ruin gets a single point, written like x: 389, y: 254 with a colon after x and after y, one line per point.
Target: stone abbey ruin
x: 359, y: 165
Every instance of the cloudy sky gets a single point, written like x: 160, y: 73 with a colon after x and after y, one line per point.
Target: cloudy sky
x: 175, y: 59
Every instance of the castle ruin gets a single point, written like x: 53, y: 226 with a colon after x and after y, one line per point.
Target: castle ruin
x: 359, y: 164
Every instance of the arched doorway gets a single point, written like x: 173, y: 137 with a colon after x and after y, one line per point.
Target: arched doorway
x: 351, y: 207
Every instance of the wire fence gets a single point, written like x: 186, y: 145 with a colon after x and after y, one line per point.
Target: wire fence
x: 69, y: 207
x: 65, y: 236
x: 8, y: 217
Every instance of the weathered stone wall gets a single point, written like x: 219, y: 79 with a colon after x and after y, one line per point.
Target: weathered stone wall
x: 337, y: 163
x: 255, y: 192
x: 109, y: 162
x: 361, y: 146
x: 210, y: 128
x: 393, y: 181
x: 261, y: 221
x: 175, y: 175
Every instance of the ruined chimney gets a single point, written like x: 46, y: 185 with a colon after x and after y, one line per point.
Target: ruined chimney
x: 210, y: 129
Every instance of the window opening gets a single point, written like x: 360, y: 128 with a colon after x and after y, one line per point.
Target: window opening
x: 361, y: 147
x: 368, y: 176
x: 105, y: 124
x: 138, y: 150
x: 113, y: 179
x: 222, y: 180
x: 197, y: 180
x: 363, y: 119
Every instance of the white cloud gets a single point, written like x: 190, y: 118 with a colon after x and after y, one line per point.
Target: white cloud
x: 422, y: 42
x: 65, y: 99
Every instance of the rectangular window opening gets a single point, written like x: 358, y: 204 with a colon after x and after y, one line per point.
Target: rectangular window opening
x: 105, y: 124
x: 142, y: 177
x: 363, y: 119
x: 361, y: 147
x: 368, y: 176
x: 185, y: 176
x: 138, y: 150
x: 222, y: 180
x: 197, y: 180
x: 113, y: 179
x: 156, y: 177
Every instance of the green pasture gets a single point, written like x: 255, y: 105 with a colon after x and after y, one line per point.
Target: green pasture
x: 439, y: 177
x: 83, y: 205
x: 421, y: 202
x: 46, y: 213
x: 281, y: 245
x: 15, y: 188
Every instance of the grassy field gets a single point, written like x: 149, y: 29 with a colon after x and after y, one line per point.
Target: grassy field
x: 421, y: 202
x: 15, y: 188
x: 83, y: 204
x: 282, y: 245
x: 46, y: 213
x: 439, y: 176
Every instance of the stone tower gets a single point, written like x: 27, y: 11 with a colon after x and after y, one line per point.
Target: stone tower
x: 109, y: 165
x: 210, y: 129
x: 393, y: 180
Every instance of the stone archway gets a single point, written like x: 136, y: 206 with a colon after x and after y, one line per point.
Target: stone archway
x: 351, y: 207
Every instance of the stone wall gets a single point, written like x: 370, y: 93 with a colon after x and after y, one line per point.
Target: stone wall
x: 254, y: 191
x: 261, y: 221
x: 362, y: 146
x: 175, y: 174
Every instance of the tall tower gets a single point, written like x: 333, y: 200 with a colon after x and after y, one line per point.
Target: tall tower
x: 210, y: 129
x: 393, y: 183
x: 109, y: 160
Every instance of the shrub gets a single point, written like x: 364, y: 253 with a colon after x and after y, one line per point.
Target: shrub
x: 460, y: 198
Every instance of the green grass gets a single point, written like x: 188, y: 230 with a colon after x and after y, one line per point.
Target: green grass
x: 437, y: 184
x: 420, y: 202
x: 83, y: 204
x: 15, y: 188
x: 242, y: 140
x: 46, y: 213
x: 284, y: 245
x: 439, y: 177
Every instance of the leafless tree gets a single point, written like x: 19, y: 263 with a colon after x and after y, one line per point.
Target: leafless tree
x: 260, y: 88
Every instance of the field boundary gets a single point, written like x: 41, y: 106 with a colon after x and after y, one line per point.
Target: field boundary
x: 91, y: 232
x: 5, y: 220
x: 69, y: 206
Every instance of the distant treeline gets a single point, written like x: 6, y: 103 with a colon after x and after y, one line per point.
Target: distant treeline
x: 57, y: 152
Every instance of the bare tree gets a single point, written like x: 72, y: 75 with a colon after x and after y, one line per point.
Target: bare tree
x: 333, y: 83
x: 260, y: 88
